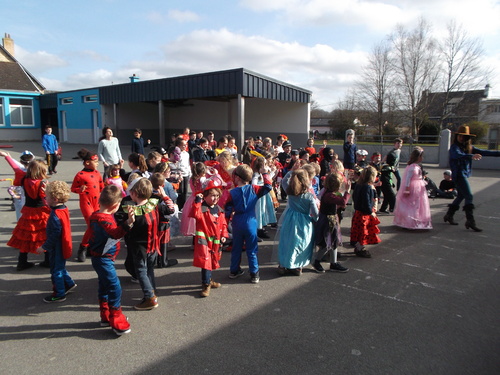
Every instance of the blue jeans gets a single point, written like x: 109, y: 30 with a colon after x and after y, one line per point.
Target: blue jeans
x: 463, y: 190
x: 60, y: 277
x: 145, y: 271
x: 398, y: 179
x: 109, y: 285
x: 206, y: 276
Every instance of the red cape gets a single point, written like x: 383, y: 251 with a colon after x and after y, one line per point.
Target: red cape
x: 66, y: 241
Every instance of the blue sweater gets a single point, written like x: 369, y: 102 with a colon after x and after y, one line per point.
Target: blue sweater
x: 49, y: 143
x: 461, y: 162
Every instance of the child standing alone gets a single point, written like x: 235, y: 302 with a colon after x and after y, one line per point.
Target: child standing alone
x: 50, y: 146
x: 211, y: 231
x: 104, y: 246
x: 58, y: 245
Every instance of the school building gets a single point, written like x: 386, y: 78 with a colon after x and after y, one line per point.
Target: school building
x: 237, y: 101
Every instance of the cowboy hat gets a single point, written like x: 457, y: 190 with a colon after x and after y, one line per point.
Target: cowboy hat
x: 464, y: 130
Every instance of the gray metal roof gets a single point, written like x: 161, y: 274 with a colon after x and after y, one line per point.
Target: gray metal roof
x: 214, y: 85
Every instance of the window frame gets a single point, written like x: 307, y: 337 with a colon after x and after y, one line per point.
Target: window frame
x: 22, y: 107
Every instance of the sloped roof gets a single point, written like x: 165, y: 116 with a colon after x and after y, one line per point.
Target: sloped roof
x: 220, y: 84
x: 315, y: 121
x: 466, y: 103
x: 14, y: 77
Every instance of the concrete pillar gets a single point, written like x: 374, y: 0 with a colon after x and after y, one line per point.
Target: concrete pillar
x: 444, y: 147
x: 161, y: 123
x: 115, y: 119
x: 241, y: 122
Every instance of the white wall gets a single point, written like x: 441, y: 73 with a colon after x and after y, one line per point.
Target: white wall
x: 19, y: 134
x: 81, y: 136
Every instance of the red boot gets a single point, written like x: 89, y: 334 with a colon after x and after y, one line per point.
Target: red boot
x: 118, y: 321
x: 104, y: 308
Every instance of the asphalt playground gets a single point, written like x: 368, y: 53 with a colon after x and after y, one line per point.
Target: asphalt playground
x: 427, y: 302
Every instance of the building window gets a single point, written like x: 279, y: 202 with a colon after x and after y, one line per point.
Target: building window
x: 90, y: 98
x: 493, y: 108
x: 21, y: 112
x: 2, y: 121
x: 66, y: 101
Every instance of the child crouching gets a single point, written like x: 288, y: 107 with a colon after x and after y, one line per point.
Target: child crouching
x: 104, y: 246
x: 211, y: 231
x: 58, y: 243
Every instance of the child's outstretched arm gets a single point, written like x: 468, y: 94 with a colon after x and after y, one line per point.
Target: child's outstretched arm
x: 263, y: 190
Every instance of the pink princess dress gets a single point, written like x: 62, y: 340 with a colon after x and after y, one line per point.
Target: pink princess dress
x: 188, y: 224
x: 413, y: 210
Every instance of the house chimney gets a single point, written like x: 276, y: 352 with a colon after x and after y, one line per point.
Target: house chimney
x: 8, y: 44
x: 134, y: 78
x: 487, y: 90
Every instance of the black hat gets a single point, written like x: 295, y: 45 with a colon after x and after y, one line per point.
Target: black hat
x: 294, y: 152
x: 286, y: 143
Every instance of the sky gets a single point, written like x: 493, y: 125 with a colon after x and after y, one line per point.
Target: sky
x: 319, y: 45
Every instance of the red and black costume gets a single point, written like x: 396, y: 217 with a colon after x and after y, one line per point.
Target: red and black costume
x: 104, y: 246
x: 29, y: 233
x: 89, y: 196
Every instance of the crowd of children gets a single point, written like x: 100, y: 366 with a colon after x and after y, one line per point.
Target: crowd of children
x: 233, y: 201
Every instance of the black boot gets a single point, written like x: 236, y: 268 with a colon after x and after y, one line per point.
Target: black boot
x: 452, y: 208
x: 82, y: 253
x: 23, y: 263
x: 163, y: 260
x: 46, y: 261
x: 470, y: 223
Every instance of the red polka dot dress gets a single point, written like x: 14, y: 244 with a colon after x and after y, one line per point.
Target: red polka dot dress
x: 88, y: 185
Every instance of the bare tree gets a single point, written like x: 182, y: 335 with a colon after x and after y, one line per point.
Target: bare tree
x: 343, y: 115
x: 373, y: 86
x: 317, y: 111
x: 415, y: 65
x: 462, y: 68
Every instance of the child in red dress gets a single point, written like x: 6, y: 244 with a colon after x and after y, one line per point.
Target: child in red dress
x: 29, y: 233
x: 364, y: 223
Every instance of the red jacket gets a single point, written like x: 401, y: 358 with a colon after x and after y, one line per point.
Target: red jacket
x: 209, y: 230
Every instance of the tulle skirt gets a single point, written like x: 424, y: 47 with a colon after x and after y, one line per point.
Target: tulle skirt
x: 264, y: 211
x: 30, y: 231
x: 296, y: 239
x: 412, y: 210
x: 364, y: 229
x: 188, y: 224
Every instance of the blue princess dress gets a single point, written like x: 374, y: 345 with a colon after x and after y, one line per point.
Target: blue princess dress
x: 296, y: 239
x: 264, y: 209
